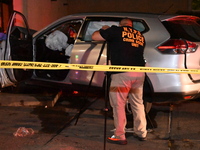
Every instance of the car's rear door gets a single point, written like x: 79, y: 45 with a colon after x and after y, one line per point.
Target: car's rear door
x: 87, y: 51
x: 17, y: 46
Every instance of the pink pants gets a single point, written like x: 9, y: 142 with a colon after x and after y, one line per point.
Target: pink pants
x: 128, y: 86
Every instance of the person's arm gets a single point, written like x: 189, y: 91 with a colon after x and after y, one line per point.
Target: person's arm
x: 97, y: 36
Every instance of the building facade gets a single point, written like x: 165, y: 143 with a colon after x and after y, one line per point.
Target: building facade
x: 40, y: 13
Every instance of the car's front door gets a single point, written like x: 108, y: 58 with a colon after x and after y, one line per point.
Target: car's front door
x: 17, y: 46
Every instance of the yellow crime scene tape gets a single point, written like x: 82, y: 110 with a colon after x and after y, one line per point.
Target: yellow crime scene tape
x: 91, y: 67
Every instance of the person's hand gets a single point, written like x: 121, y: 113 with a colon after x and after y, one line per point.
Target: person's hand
x: 105, y: 27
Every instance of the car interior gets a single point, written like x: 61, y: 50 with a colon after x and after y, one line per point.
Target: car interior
x: 55, y: 46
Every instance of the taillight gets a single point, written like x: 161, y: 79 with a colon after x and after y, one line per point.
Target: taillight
x: 177, y: 46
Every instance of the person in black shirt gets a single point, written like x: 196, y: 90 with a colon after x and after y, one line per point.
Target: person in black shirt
x: 126, y: 47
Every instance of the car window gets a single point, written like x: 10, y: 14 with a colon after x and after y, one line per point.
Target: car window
x: 93, y: 25
x: 96, y: 25
x: 184, y: 28
x: 19, y: 29
x: 139, y: 26
x: 69, y: 29
x: 59, y: 38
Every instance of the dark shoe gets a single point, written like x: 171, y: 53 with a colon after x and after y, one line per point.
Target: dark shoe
x: 139, y: 138
x: 114, y: 140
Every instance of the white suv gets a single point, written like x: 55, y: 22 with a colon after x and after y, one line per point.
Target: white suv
x: 172, y: 41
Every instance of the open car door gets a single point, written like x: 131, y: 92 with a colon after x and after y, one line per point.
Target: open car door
x: 17, y: 46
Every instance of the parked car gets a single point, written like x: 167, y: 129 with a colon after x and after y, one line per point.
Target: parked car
x: 172, y: 41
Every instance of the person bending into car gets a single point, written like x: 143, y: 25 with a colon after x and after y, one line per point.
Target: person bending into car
x: 126, y: 46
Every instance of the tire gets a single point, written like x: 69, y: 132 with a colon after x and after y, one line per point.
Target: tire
x: 147, y: 94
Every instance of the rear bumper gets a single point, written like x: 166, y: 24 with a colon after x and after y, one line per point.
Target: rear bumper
x: 174, y: 97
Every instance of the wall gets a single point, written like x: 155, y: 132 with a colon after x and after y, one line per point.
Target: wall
x: 151, y: 6
x: 40, y: 13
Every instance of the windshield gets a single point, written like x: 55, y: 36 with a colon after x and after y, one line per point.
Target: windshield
x: 185, y: 27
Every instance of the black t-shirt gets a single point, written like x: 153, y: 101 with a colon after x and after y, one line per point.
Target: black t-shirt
x: 125, y: 44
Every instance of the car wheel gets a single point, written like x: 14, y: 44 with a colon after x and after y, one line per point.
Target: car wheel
x: 147, y: 94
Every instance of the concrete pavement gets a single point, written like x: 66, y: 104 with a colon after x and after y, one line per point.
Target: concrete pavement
x: 19, y: 110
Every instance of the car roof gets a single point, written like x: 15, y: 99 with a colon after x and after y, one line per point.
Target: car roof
x: 135, y: 15
x: 121, y: 14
